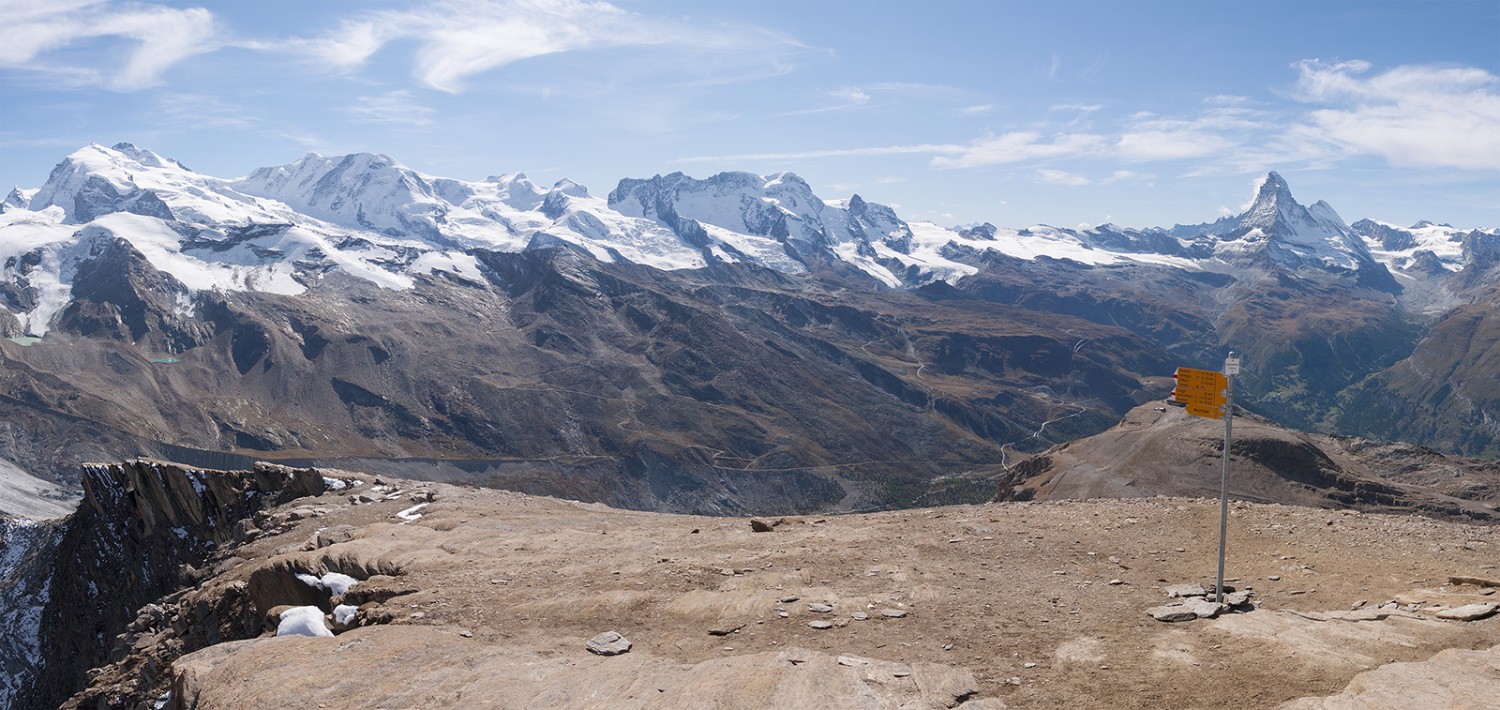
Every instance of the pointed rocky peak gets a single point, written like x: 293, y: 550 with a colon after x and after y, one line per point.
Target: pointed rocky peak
x: 1273, y: 204
x: 1273, y: 187
x: 18, y: 198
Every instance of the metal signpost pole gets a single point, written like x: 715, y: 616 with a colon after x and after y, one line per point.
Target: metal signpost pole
x: 1231, y: 368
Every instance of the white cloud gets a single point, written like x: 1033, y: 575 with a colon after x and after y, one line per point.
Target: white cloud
x: 852, y: 95
x: 919, y: 149
x: 1015, y: 147
x: 1169, y: 140
x: 1413, y: 116
x: 1123, y: 175
x: 396, y: 107
x: 1255, y: 185
x: 459, y: 39
x: 1214, y: 132
x: 1003, y: 149
x: 201, y: 111
x: 196, y: 112
x: 36, y: 36
x: 975, y: 110
x: 1060, y: 177
x: 845, y: 97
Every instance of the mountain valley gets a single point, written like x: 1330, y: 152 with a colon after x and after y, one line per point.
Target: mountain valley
x: 341, y: 367
x: 734, y: 344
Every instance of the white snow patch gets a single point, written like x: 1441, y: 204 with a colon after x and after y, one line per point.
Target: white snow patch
x: 411, y: 513
x: 24, y: 495
x: 344, y: 613
x: 335, y: 582
x: 303, y: 621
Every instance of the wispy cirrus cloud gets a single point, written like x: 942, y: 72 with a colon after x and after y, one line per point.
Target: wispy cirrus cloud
x: 1017, y: 147
x: 460, y: 39
x: 1048, y: 176
x: 1413, y: 116
x: 869, y: 151
x: 198, y: 111
x: 853, y: 97
x: 1006, y: 148
x: 38, y: 37
x: 393, y: 107
x: 844, y: 98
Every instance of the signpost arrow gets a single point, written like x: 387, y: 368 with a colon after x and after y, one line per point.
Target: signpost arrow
x: 1203, y: 391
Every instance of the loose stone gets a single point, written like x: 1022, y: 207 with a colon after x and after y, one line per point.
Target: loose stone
x: 1171, y: 613
x: 1470, y: 612
x: 609, y: 643
x: 1186, y: 590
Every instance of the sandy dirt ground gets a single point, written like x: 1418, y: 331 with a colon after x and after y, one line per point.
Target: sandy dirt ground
x: 1043, y: 604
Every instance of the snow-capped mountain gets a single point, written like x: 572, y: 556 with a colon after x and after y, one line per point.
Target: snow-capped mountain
x: 283, y: 229
x: 1278, y: 232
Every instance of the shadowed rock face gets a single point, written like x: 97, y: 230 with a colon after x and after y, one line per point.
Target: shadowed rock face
x: 139, y: 533
x: 1305, y: 338
x: 736, y: 390
x: 1446, y: 393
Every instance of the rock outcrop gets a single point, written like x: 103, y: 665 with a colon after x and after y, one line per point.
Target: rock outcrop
x: 142, y: 531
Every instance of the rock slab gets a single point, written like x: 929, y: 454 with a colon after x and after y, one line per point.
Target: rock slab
x: 609, y: 643
x: 1470, y: 612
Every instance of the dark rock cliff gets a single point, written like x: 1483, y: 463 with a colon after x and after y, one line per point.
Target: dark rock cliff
x: 142, y: 531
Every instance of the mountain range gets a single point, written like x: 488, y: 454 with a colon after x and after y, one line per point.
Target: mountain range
x: 735, y: 343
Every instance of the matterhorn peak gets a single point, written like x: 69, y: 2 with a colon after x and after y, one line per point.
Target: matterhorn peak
x: 1273, y: 190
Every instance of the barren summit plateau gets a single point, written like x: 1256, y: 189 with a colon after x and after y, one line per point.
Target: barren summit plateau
x: 482, y: 598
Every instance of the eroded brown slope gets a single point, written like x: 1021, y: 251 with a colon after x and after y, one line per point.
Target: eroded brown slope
x: 1161, y: 450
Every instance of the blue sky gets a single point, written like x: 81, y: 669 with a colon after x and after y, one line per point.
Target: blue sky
x: 1016, y: 113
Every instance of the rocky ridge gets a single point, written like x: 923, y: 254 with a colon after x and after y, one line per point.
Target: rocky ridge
x: 1159, y: 449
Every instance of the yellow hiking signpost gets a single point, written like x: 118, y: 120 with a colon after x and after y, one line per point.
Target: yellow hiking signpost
x: 1203, y: 391
x: 1210, y: 394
